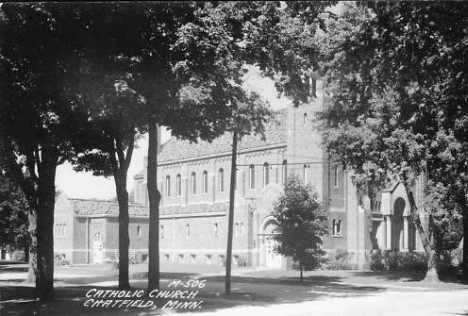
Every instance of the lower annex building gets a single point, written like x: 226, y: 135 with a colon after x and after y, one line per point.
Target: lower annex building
x: 193, y: 179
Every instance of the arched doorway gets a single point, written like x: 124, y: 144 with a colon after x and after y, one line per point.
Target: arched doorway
x: 98, y: 249
x: 272, y: 258
x: 397, y: 227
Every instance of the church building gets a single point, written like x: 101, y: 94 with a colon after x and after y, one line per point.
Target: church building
x: 193, y: 179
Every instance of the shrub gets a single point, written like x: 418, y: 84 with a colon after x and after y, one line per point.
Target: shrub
x: 376, y: 261
x: 340, y: 261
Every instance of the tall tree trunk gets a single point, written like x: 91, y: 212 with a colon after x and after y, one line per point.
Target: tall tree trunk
x: 120, y: 163
x: 45, y: 223
x: 432, y: 265
x: 464, y: 264
x: 154, y: 198
x: 124, y: 242
x: 433, y: 262
x: 32, y: 262
x: 231, y: 213
x: 301, y: 274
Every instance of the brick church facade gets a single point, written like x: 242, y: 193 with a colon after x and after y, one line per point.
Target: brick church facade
x: 193, y: 179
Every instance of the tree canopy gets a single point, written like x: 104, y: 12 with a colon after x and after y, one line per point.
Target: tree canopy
x: 397, y: 79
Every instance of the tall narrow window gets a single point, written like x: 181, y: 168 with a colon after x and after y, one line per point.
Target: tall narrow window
x: 187, y: 230
x: 205, y: 181
x: 221, y: 180
x: 216, y: 229
x: 193, y: 182
x: 162, y: 231
x: 335, y: 176
x: 266, y: 174
x: 236, y: 231
x: 168, y: 185
x: 338, y: 228
x: 306, y: 174
x: 178, y: 185
x: 252, y: 177
x: 285, y: 171
x: 139, y: 231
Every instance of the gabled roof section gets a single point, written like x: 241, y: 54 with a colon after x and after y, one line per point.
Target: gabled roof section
x: 177, y: 149
x: 85, y: 208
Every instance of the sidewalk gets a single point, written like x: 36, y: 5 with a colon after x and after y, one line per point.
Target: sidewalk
x: 256, y: 290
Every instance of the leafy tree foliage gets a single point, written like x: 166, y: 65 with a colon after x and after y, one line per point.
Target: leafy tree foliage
x: 14, y: 233
x: 37, y: 119
x: 301, y: 225
x: 396, y: 73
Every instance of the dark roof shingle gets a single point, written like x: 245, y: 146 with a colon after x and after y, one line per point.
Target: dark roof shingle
x: 177, y: 149
x: 83, y: 207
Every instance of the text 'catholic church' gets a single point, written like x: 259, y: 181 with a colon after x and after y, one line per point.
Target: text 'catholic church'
x: 194, y: 182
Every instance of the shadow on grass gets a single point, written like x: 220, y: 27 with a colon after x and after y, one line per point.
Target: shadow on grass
x: 411, y: 276
x: 246, y: 291
x: 13, y: 268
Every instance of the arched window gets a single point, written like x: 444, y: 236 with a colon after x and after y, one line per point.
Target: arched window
x: 193, y: 182
x: 138, y: 231
x: 221, y: 179
x: 178, y: 185
x: 266, y: 174
x: 252, y: 177
x: 168, y: 185
x: 205, y: 181
x: 335, y: 176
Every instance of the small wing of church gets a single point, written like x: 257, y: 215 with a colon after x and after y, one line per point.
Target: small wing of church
x: 193, y: 179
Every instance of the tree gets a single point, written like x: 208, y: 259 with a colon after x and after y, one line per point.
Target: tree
x: 37, y: 120
x: 301, y: 225
x: 116, y: 113
x: 396, y: 73
x: 106, y: 148
x: 13, y: 216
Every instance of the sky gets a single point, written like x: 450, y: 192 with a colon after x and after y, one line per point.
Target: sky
x: 83, y: 185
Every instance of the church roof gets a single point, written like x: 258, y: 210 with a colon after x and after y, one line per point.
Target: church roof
x: 195, y: 209
x: 85, y: 208
x: 177, y: 149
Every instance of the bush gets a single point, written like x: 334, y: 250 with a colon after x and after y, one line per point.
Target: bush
x: 340, y: 261
x: 412, y: 262
x: 399, y: 261
x: 377, y: 261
